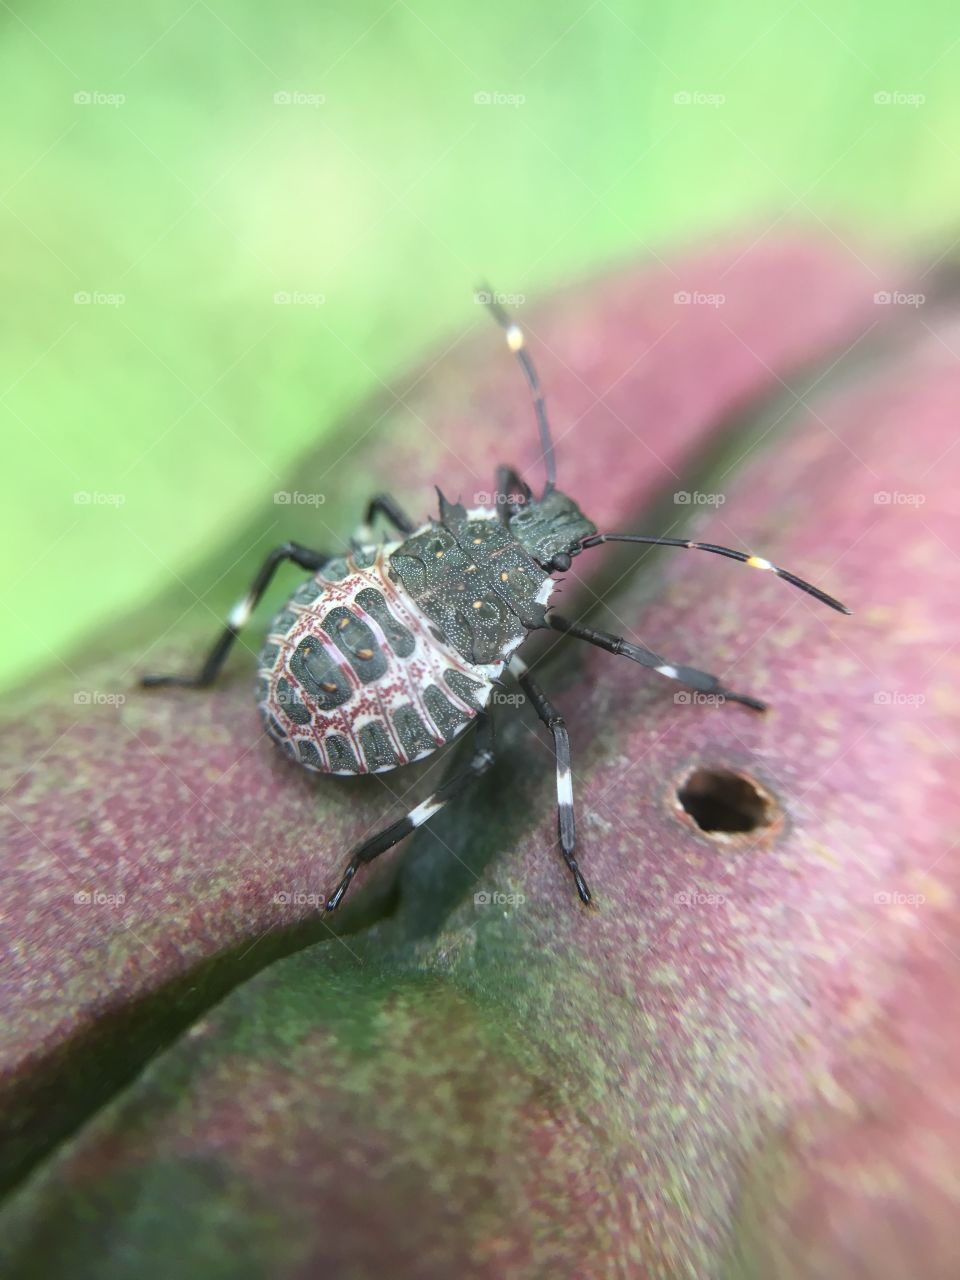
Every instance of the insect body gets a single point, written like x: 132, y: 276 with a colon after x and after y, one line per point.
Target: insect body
x: 387, y: 653
x: 390, y: 652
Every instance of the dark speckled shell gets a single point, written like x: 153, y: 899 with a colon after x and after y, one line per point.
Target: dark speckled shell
x: 472, y: 579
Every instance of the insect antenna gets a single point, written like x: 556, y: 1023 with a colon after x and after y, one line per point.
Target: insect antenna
x: 755, y: 562
x: 515, y: 341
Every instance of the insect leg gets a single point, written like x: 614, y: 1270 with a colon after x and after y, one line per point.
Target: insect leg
x: 566, y: 823
x: 512, y: 492
x: 702, y: 681
x: 240, y: 614
x: 387, y: 506
x: 480, y: 761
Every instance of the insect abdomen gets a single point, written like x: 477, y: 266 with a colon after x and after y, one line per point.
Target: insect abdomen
x: 354, y: 679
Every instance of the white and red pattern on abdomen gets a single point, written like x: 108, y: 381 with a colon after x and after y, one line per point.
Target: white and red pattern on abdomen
x: 403, y: 714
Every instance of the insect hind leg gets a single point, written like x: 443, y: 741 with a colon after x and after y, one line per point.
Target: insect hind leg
x: 566, y: 821
x: 449, y: 789
x: 692, y: 677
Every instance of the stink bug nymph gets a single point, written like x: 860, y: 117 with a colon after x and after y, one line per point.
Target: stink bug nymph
x: 387, y: 653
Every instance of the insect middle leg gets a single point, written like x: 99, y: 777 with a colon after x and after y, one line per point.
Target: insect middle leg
x: 480, y: 762
x: 240, y: 614
x: 566, y: 822
x: 701, y: 681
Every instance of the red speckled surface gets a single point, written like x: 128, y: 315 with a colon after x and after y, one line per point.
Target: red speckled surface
x: 671, y: 1084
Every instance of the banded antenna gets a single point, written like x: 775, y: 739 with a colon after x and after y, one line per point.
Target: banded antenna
x: 744, y: 557
x: 515, y: 341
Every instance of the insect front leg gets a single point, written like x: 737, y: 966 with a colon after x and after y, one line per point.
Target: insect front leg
x: 240, y: 615
x: 386, y: 505
x: 566, y: 822
x: 480, y: 762
x: 512, y: 492
x: 701, y: 681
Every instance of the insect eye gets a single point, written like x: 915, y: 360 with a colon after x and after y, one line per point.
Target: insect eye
x: 560, y: 562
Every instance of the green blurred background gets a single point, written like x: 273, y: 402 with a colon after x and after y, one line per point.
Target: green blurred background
x: 151, y: 168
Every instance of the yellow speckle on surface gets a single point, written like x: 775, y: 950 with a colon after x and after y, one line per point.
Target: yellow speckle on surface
x: 832, y: 1093
x: 824, y: 854
x: 944, y: 698
x: 439, y: 554
x: 875, y: 1179
x: 477, y: 541
x: 880, y: 615
x: 933, y: 891
x: 478, y: 604
x: 504, y: 577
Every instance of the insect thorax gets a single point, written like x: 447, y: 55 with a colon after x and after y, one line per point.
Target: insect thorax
x: 474, y: 582
x: 550, y: 525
